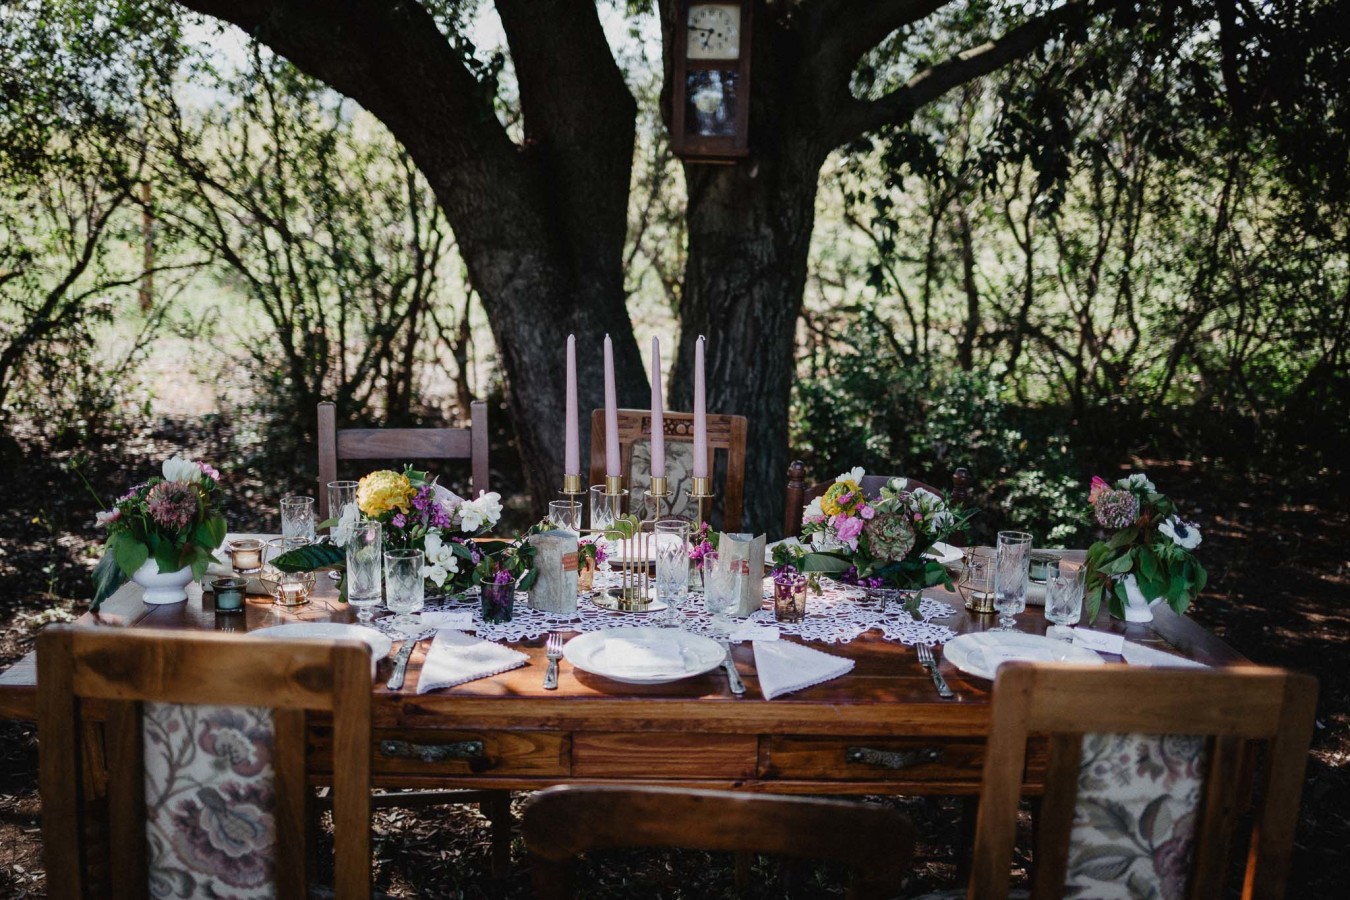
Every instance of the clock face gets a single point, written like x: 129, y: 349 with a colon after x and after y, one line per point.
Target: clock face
x: 714, y: 31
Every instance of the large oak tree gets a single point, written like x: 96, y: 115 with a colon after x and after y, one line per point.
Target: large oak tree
x: 541, y: 221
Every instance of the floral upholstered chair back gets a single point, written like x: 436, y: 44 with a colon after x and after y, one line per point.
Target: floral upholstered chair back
x: 210, y: 801
x: 679, y: 475
x: 1134, y: 825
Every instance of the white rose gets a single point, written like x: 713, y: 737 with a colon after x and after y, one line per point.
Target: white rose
x: 486, y: 510
x: 346, y: 525
x: 897, y: 485
x: 1137, y: 482
x: 813, y: 512
x: 181, y: 468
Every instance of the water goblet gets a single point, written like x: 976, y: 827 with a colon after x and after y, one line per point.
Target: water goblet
x: 605, y: 508
x: 723, y: 581
x: 672, y: 566
x: 565, y: 514
x: 297, y: 520
x: 403, y: 585
x: 364, y: 581
x: 341, y: 495
x: 1064, y: 601
x: 1012, y: 571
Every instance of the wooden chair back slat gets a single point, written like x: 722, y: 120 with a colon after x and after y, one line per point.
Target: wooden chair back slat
x: 1234, y: 708
x: 401, y: 444
x: 125, y: 669
x: 725, y: 432
x: 876, y: 842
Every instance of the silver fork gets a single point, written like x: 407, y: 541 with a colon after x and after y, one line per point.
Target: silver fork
x: 553, y: 652
x: 928, y: 662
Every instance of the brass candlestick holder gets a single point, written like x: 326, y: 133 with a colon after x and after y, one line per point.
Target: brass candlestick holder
x: 633, y: 592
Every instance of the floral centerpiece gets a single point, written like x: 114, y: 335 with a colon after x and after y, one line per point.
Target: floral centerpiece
x: 874, y: 543
x: 170, y: 520
x: 416, y: 514
x: 1149, y: 549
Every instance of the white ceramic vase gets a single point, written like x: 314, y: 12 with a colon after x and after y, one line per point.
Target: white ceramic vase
x: 1138, y: 608
x: 162, y: 587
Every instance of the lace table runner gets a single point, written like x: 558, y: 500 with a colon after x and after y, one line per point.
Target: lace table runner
x: 839, y: 614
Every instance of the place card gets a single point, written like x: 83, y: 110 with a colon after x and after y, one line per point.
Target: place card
x: 1100, y: 641
x: 458, y: 619
x: 754, y: 633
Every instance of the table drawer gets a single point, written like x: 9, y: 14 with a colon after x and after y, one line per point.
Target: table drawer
x: 658, y: 755
x: 873, y: 759
x: 458, y: 752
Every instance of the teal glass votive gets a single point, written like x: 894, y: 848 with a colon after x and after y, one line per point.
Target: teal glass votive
x: 229, y: 593
x: 499, y: 601
x: 1043, y: 566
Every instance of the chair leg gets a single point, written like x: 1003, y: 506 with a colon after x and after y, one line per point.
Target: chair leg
x: 742, y: 871
x: 497, y: 807
x: 965, y: 848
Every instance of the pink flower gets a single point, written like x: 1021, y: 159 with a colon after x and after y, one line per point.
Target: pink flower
x: 172, y: 504
x: 848, y: 529
x: 1098, y: 485
x: 209, y: 470
x: 866, y: 511
x: 105, y: 517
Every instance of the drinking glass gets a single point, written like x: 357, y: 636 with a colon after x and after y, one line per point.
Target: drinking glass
x: 341, y: 494
x: 723, y: 581
x: 1064, y: 601
x: 297, y: 520
x: 1012, y: 571
x: 403, y: 588
x: 672, y: 566
x: 603, y: 512
x: 364, y: 554
x: 565, y: 514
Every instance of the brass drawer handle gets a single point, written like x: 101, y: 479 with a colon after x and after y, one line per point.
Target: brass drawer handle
x: 431, y: 753
x: 894, y: 759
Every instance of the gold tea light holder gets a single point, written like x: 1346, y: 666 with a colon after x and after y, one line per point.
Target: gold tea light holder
x: 633, y: 592
x: 976, y: 583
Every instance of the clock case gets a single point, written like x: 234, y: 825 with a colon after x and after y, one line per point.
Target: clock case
x: 685, y: 141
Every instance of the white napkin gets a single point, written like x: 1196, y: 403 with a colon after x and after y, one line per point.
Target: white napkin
x: 783, y: 667
x: 455, y: 657
x: 634, y: 656
x: 1140, y: 655
x: 754, y: 633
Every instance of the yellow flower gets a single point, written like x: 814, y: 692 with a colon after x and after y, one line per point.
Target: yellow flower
x: 384, y: 491
x: 829, y: 504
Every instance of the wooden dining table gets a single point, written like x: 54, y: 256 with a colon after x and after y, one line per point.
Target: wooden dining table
x: 882, y: 728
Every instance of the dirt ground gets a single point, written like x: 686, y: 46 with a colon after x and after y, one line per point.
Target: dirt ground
x: 1279, y: 562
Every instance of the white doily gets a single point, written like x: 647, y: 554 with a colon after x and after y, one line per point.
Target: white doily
x: 837, y: 615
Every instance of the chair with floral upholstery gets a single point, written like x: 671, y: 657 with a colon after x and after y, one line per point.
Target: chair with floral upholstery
x: 1148, y: 770
x: 191, y: 789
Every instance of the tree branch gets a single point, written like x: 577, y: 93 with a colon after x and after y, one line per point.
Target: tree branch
x: 860, y: 116
x: 852, y: 27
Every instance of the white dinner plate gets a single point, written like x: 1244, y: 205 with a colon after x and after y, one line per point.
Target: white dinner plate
x: 641, y: 655
x: 380, y: 644
x: 981, y: 654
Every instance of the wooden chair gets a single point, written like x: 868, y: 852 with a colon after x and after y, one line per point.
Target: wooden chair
x: 725, y: 433
x: 401, y: 444
x: 1145, y: 751
x: 216, y: 769
x: 799, y: 494
x: 559, y: 823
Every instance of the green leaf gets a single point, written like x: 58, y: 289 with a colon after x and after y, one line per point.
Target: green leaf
x: 1119, y: 566
x: 108, y: 577
x: 528, y: 581
x: 824, y: 563
x: 1123, y: 538
x: 311, y: 557
x: 168, y: 557
x: 130, y: 553
x: 1148, y: 565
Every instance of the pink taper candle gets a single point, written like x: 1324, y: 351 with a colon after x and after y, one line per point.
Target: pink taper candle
x: 700, y: 414
x: 572, y: 452
x: 658, y: 415
x: 611, y: 415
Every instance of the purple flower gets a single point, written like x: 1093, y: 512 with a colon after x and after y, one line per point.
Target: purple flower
x: 399, y: 520
x: 172, y: 504
x: 502, y: 577
x: 1116, y: 509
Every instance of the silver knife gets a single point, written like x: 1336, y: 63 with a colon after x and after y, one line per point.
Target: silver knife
x: 401, y: 664
x: 733, y: 677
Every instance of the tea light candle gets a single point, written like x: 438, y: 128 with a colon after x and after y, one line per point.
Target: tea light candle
x: 1043, y: 565
x: 292, y: 594
x: 229, y: 594
x: 246, y: 555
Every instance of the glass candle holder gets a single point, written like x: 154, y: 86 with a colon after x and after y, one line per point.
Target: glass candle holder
x: 246, y: 556
x: 565, y: 514
x: 297, y: 520
x: 286, y: 588
x: 1043, y: 566
x: 499, y: 601
x: 789, y: 597
x: 229, y: 593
